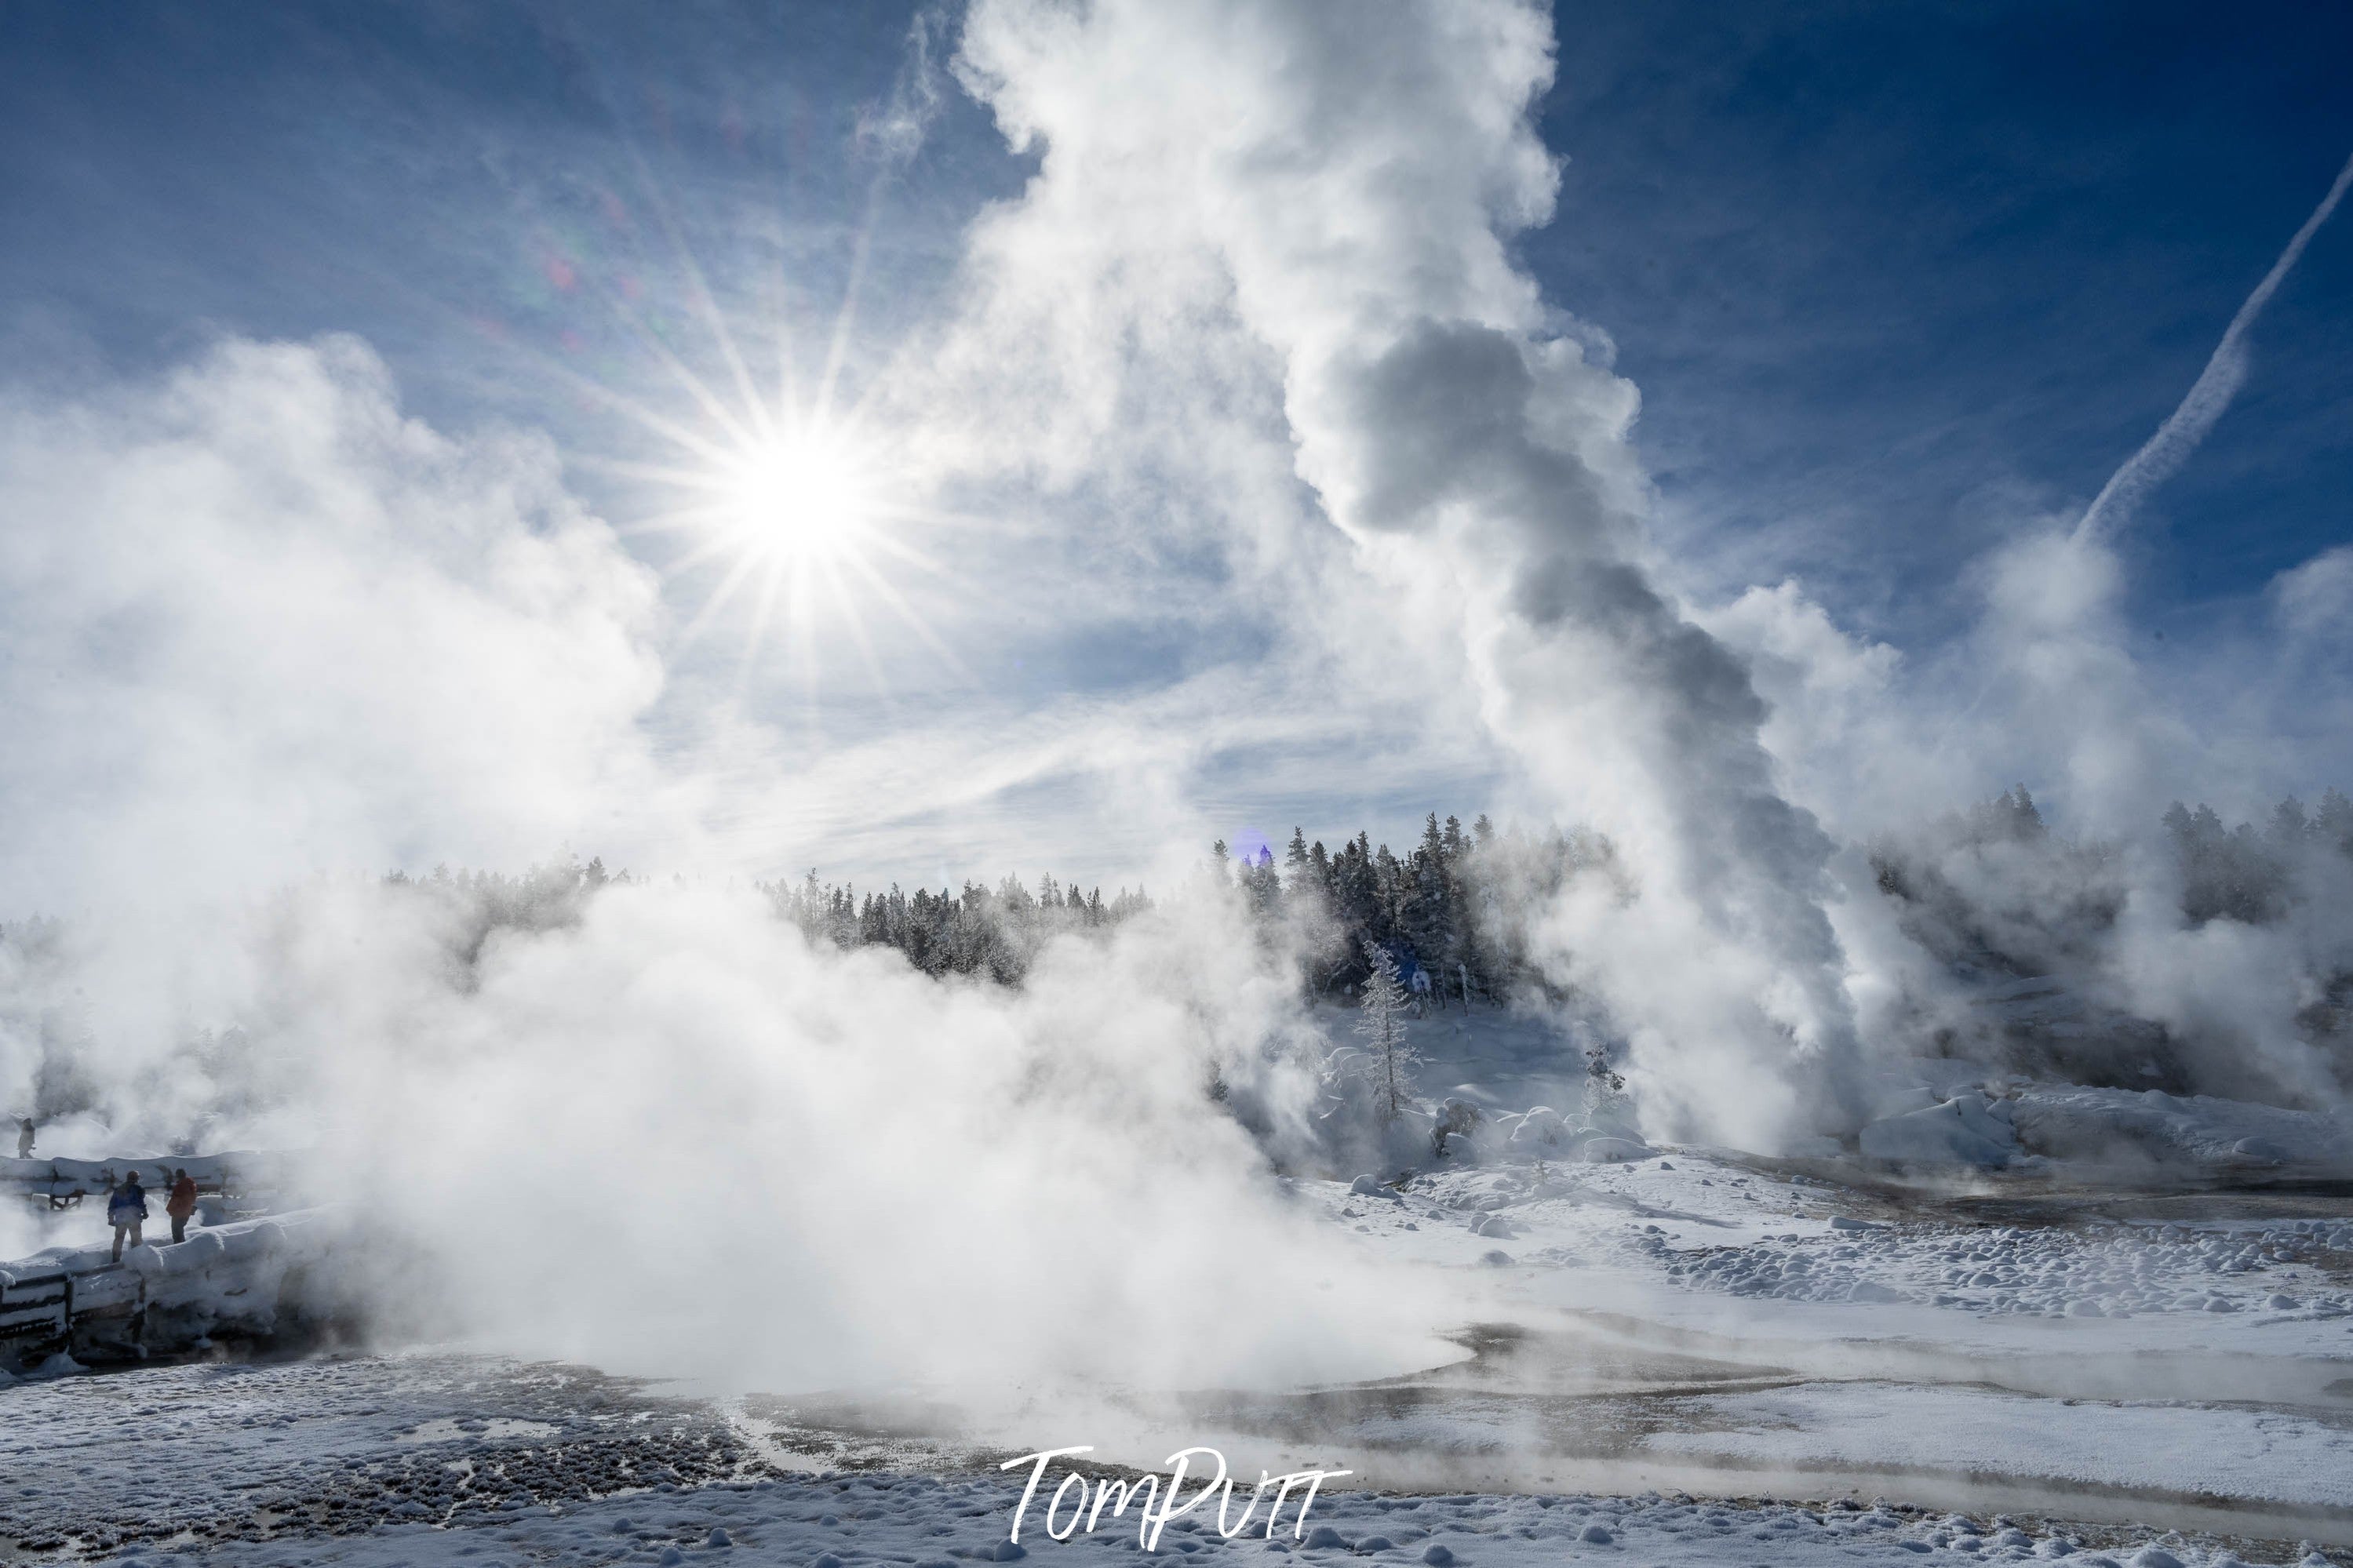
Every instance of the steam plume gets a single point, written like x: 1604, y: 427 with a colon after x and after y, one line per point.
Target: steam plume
x: 1350, y: 182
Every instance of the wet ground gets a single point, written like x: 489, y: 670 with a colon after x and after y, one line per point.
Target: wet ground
x: 211, y: 1457
x: 202, y: 1455
x: 1612, y: 1403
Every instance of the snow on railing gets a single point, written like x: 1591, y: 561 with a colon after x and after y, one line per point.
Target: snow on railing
x: 224, y: 1279
x: 65, y: 1182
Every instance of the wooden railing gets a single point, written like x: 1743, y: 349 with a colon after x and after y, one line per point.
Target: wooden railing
x: 44, y: 1311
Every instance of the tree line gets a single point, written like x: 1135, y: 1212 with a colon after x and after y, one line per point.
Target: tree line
x: 994, y: 933
x: 1453, y: 910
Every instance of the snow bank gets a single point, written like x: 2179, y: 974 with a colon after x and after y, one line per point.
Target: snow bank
x: 230, y: 1280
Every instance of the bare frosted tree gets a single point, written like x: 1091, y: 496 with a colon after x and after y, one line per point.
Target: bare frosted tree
x: 1381, y: 1022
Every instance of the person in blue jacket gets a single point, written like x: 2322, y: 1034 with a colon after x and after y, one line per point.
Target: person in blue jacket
x: 126, y: 1210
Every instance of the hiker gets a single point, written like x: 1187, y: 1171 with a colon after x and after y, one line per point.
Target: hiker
x: 126, y: 1209
x: 24, y: 1137
x: 181, y: 1203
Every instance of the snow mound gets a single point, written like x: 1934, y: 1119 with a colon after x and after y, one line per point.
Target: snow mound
x: 1967, y: 1130
x: 1607, y: 1150
x: 1542, y: 1130
x: 2068, y: 1122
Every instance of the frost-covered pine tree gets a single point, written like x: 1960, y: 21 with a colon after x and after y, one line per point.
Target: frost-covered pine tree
x: 1381, y: 1022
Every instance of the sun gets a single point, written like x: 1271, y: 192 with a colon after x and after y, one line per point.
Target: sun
x: 810, y: 496
x: 800, y: 516
x: 796, y: 503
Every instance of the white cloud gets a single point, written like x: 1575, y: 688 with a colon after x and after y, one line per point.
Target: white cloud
x: 2315, y: 599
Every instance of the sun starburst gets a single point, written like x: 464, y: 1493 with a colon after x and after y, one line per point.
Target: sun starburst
x: 792, y: 505
x: 808, y: 495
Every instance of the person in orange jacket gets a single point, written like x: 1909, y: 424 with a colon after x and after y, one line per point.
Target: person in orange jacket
x: 181, y: 1203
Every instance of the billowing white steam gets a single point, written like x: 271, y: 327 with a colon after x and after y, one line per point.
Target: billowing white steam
x: 2051, y: 688
x: 1345, y: 183
x: 678, y: 1138
x: 287, y: 627
x: 254, y: 622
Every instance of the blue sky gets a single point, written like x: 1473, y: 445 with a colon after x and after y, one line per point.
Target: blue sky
x: 1890, y: 279
x: 1867, y: 262
x: 1875, y: 265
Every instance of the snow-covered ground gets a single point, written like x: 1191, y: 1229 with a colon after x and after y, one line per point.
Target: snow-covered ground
x: 1688, y: 1325
x: 1712, y: 1226
x: 1942, y: 1361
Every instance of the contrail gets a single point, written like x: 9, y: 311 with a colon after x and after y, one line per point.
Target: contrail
x: 2209, y: 396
